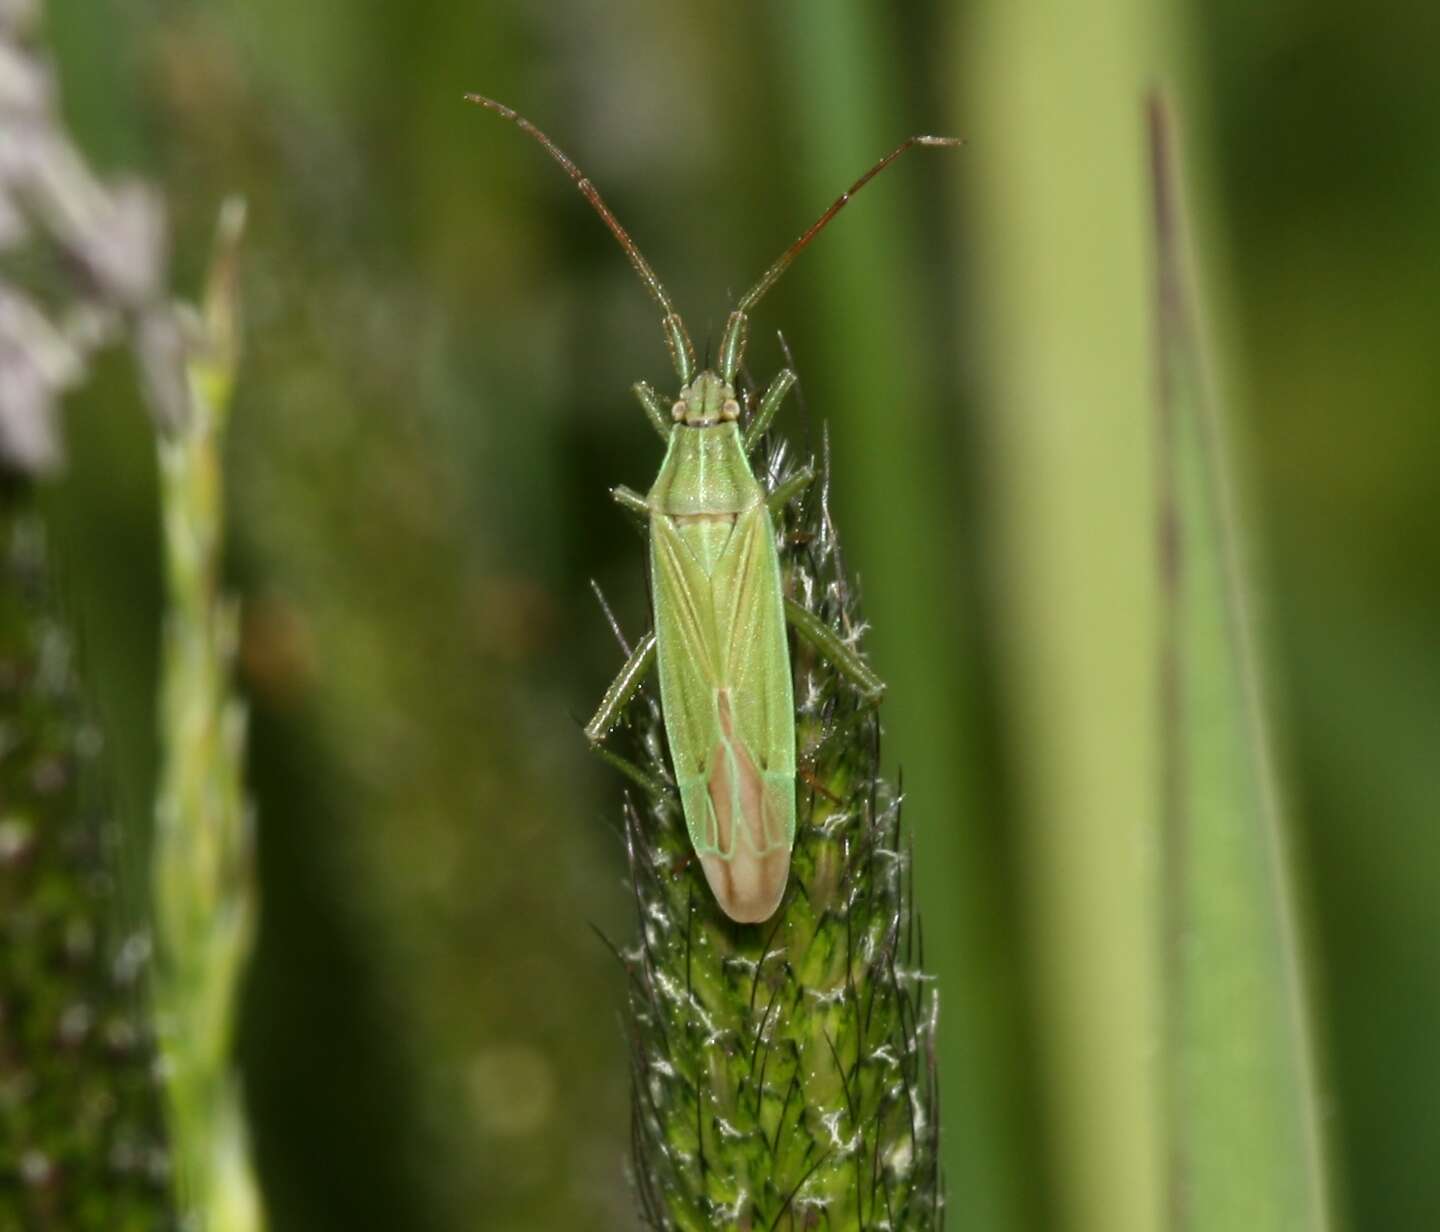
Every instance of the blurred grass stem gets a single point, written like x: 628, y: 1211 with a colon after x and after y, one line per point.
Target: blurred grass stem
x: 1062, y: 348
x: 203, y: 877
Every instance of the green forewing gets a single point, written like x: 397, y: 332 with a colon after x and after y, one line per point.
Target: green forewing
x: 724, y: 665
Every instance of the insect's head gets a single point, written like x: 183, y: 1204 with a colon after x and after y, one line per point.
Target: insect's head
x: 706, y: 401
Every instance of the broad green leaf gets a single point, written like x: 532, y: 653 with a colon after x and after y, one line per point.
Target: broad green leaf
x: 1243, y: 1136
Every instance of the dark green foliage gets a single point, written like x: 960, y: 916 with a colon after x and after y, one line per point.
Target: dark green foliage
x: 784, y: 1072
x: 80, y: 1143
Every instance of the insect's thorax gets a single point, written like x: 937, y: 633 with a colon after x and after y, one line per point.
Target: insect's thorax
x: 705, y: 475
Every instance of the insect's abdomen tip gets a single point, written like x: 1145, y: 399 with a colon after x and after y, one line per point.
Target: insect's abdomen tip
x: 748, y: 887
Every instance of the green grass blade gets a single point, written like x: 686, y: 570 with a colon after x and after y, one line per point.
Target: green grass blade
x: 1244, y: 1145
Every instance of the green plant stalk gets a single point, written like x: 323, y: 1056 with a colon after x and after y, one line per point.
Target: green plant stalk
x: 203, y: 879
x: 1061, y: 347
x: 81, y: 1134
x: 844, y: 80
x: 784, y: 1072
x: 1244, y: 1143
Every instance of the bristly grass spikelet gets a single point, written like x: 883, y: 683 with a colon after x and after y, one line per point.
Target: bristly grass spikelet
x: 786, y: 1068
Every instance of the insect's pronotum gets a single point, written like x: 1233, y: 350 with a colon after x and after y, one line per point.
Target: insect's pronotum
x: 720, y: 613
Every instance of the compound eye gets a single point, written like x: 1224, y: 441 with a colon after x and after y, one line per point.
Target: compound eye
x: 730, y: 409
x: 677, y: 412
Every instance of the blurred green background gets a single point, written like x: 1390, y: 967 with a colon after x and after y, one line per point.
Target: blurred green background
x: 434, y: 400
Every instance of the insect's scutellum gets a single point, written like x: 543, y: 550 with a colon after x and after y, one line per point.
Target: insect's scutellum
x: 720, y: 615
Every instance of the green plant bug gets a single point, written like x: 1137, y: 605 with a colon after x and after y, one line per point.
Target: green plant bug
x: 719, y: 638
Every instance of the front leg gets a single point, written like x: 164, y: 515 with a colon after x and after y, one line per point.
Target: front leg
x: 769, y: 403
x: 832, y: 648
x: 654, y: 409
x: 785, y: 492
x: 619, y: 695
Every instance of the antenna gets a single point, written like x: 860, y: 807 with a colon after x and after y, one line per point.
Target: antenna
x: 682, y: 350
x: 732, y: 346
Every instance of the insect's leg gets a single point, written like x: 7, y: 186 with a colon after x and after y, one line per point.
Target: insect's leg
x: 786, y: 492
x: 654, y: 408
x: 610, y: 617
x: 617, y: 697
x: 622, y: 689
x: 830, y: 646
x: 630, y: 500
x: 648, y: 783
x: 770, y: 403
